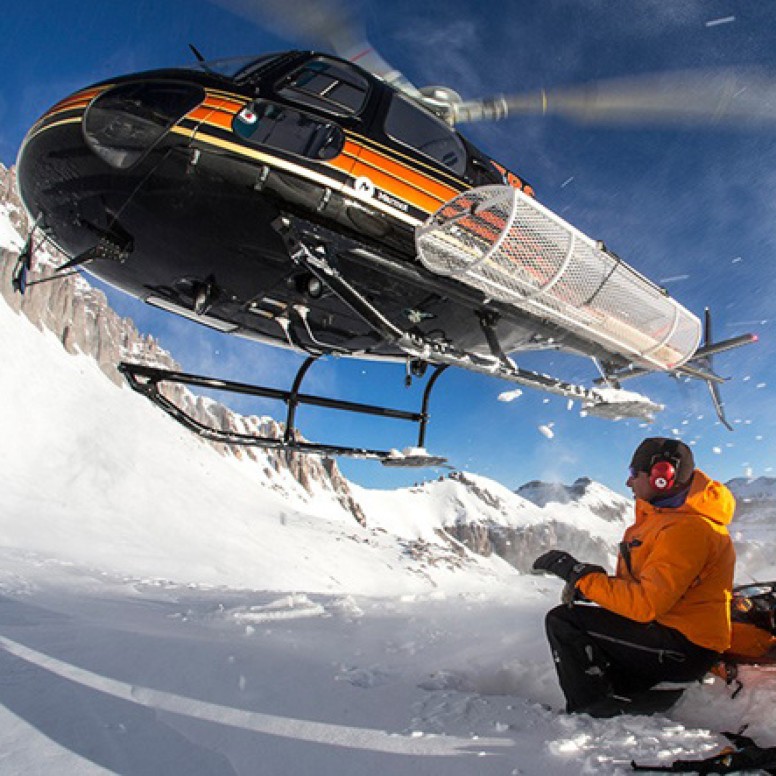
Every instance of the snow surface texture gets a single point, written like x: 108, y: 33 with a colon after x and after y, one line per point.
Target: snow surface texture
x: 163, y: 612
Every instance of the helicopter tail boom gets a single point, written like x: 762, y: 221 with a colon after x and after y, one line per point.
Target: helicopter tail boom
x: 512, y: 248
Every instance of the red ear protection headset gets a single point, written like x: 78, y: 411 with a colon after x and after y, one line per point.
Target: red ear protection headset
x: 662, y: 475
x: 664, y: 467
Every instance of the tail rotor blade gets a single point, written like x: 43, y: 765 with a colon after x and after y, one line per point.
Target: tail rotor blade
x: 706, y: 361
x: 719, y: 407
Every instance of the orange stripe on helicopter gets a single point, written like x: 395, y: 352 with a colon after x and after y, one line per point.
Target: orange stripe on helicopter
x: 203, y: 136
x: 213, y: 117
x: 77, y: 99
x: 396, y: 178
x: 397, y: 187
x: 407, y: 174
x: 226, y: 103
x: 65, y: 106
x: 217, y: 111
x: 416, y: 163
x: 344, y: 161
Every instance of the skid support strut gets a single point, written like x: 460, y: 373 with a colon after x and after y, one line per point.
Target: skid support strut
x: 147, y: 381
x: 310, y: 247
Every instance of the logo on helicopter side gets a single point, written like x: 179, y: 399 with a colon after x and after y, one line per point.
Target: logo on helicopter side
x: 364, y: 185
x: 392, y: 201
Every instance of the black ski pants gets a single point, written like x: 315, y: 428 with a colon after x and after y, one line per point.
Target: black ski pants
x: 598, y: 653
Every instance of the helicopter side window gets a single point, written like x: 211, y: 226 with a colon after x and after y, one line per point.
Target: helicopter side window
x: 124, y: 123
x: 327, y: 85
x: 417, y: 128
x: 285, y: 129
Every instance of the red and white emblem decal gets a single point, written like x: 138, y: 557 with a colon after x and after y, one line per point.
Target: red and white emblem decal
x: 248, y: 116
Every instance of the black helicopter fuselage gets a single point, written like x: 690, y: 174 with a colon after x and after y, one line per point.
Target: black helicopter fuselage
x: 169, y: 185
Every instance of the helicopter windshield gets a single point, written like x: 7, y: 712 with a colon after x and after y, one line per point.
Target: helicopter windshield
x: 233, y: 67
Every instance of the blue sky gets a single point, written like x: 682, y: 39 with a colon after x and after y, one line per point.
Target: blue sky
x: 693, y: 209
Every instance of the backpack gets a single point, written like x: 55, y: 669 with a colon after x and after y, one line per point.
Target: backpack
x: 753, y: 639
x: 753, y: 614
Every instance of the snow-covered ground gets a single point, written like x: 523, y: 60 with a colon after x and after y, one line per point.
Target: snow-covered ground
x: 108, y: 674
x: 162, y: 611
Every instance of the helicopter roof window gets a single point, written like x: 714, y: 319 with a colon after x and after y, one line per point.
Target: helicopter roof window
x: 417, y: 128
x: 326, y: 84
x: 285, y: 129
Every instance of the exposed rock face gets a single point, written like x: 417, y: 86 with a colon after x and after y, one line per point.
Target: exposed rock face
x: 84, y: 322
x: 551, y: 524
x: 521, y: 546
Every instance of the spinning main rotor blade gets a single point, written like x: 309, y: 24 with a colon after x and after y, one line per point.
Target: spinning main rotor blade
x: 716, y: 97
x: 332, y: 23
x: 732, y: 97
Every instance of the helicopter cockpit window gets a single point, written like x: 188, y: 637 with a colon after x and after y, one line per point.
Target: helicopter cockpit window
x: 124, y: 123
x: 285, y: 129
x: 418, y: 129
x: 328, y: 85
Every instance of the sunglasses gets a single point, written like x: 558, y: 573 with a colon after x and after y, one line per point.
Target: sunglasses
x: 634, y: 472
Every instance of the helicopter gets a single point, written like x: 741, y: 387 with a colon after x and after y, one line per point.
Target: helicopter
x: 323, y: 203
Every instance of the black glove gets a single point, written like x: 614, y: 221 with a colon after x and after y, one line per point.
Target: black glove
x: 565, y: 566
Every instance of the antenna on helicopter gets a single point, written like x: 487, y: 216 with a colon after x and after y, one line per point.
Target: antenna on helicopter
x: 202, y: 61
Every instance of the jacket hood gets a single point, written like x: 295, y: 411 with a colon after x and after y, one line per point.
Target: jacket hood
x: 710, y: 499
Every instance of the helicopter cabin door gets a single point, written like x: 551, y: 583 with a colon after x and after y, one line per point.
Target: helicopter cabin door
x: 298, y: 133
x: 411, y: 164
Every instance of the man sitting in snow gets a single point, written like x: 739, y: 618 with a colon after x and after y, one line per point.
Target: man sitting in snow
x: 665, y: 614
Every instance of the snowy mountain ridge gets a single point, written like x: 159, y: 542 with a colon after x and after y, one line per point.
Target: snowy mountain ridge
x: 753, y: 489
x: 489, y: 519
x: 584, y: 492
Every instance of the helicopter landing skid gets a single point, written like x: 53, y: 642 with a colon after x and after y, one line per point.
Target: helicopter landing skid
x: 147, y: 380
x: 310, y: 247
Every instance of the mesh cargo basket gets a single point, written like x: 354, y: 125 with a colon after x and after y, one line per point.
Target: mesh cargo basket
x: 515, y: 250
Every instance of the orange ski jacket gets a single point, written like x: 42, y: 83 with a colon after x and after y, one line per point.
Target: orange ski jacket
x: 676, y: 566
